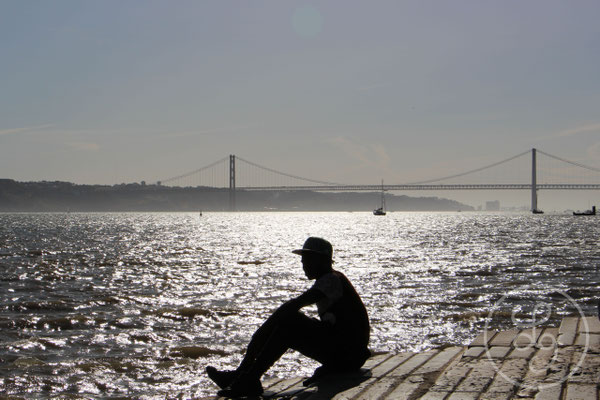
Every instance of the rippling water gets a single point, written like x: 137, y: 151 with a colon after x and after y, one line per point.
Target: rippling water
x: 136, y: 305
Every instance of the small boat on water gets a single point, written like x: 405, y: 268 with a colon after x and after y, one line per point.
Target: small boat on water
x: 586, y: 212
x: 381, y: 210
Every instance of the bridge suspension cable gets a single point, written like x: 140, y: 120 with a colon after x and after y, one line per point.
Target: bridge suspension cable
x: 472, y: 171
x: 570, y: 162
x: 222, y: 160
x: 288, y: 175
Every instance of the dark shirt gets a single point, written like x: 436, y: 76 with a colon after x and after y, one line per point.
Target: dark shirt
x: 343, y: 309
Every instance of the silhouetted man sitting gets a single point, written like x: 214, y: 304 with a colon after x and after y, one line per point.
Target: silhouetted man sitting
x: 338, y: 340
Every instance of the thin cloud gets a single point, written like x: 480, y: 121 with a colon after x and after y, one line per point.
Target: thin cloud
x: 351, y: 149
x: 579, y: 130
x: 370, y: 155
x: 381, y: 154
x: 28, y: 129
x: 206, y: 132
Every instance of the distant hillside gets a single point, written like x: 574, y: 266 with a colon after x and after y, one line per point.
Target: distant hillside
x: 65, y: 196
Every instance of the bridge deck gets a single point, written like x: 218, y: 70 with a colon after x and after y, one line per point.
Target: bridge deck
x: 374, y: 188
x: 544, y: 363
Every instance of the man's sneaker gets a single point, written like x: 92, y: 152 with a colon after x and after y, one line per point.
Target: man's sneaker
x: 222, y: 378
x: 243, y: 386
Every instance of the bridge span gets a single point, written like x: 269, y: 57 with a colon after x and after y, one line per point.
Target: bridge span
x: 229, y: 166
x: 484, y: 186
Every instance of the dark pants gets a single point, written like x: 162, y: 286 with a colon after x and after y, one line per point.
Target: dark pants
x: 311, y: 337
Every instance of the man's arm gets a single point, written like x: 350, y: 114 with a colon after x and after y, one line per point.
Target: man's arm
x: 311, y: 296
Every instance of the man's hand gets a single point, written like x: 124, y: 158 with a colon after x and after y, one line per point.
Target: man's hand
x: 288, y: 308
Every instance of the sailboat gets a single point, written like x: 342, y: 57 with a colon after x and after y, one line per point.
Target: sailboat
x: 381, y: 210
x: 586, y: 212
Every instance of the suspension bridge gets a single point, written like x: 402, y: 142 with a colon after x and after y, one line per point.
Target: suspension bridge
x: 237, y: 174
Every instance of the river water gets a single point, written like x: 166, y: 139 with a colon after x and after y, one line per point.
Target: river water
x: 136, y: 305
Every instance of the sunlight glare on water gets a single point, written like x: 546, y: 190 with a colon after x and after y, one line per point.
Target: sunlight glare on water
x: 138, y: 304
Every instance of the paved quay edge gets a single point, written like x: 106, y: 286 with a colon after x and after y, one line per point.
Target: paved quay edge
x: 539, y: 363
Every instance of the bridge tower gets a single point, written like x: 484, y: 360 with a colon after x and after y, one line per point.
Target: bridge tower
x: 533, y: 182
x: 231, y: 183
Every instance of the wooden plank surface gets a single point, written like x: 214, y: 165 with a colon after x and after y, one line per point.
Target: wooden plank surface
x: 284, y: 385
x: 528, y: 337
x: 549, y: 338
x: 451, y: 378
x: 589, y: 324
x: 474, y: 351
x: 404, y: 391
x: 568, y: 331
x: 504, y: 338
x: 440, y: 360
x: 413, y: 363
x: 390, y: 364
x: 483, y: 338
x: 544, y: 363
x: 549, y: 393
x: 581, y: 392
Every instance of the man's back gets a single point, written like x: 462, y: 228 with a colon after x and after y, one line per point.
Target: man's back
x: 344, y: 310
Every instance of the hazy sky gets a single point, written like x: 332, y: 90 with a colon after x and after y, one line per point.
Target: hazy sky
x: 345, y: 91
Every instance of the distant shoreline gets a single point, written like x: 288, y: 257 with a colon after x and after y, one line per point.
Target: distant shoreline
x: 69, y: 197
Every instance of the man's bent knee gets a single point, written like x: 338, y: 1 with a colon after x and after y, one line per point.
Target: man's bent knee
x: 284, y: 322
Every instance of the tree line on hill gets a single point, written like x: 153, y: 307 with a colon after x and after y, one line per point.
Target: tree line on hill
x: 64, y: 196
